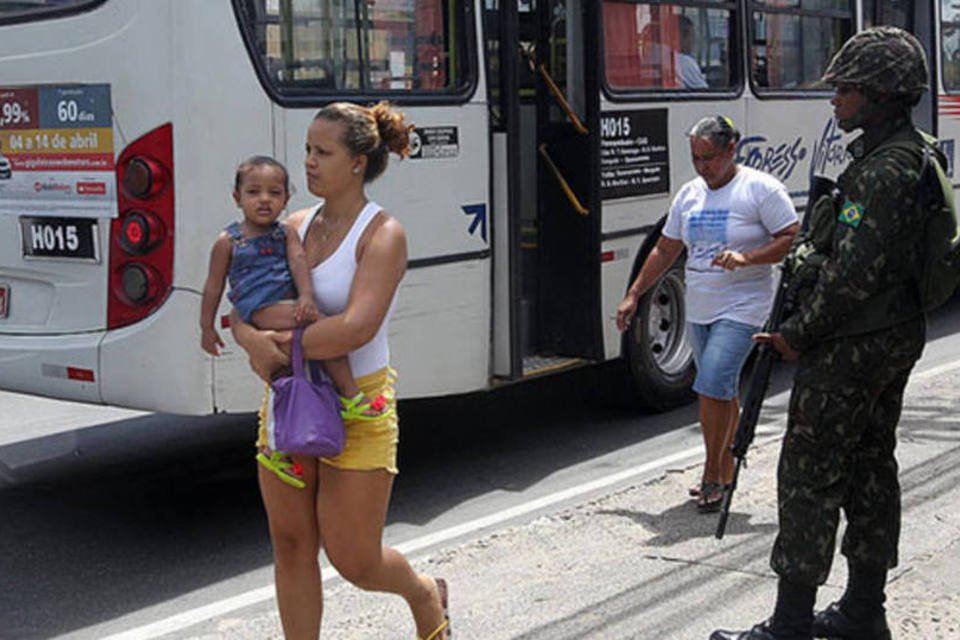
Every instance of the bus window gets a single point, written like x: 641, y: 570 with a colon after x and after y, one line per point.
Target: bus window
x: 674, y: 47
x: 342, y: 47
x: 25, y: 10
x: 950, y: 44
x: 791, y: 43
x: 897, y: 13
x: 491, y: 46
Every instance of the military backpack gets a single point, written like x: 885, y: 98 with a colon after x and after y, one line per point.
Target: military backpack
x: 940, y: 264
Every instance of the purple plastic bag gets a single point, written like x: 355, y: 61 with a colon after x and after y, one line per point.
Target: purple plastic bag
x: 306, y: 414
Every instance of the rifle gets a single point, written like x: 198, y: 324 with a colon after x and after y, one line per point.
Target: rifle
x: 766, y: 357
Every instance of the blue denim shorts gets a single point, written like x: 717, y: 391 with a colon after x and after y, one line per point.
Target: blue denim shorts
x: 719, y: 349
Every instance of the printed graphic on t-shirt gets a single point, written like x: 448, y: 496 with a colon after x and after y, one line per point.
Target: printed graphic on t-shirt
x: 706, y: 236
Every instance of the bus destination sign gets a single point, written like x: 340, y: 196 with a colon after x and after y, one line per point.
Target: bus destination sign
x: 634, y: 156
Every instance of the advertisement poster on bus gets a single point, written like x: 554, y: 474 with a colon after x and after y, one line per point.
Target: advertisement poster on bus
x: 56, y: 151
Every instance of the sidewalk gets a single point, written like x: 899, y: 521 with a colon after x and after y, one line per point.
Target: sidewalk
x: 642, y: 563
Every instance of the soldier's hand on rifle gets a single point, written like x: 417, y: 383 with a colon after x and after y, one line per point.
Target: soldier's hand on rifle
x: 626, y: 311
x: 777, y: 341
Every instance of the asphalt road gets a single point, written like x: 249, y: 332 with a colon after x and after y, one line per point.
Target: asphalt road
x: 138, y: 518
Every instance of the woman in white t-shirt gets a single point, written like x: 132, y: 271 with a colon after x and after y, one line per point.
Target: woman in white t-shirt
x: 735, y: 222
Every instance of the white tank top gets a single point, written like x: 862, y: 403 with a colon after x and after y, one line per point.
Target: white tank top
x: 332, y: 280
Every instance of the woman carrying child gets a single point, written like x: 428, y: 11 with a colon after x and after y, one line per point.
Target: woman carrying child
x: 356, y: 255
x: 270, y: 287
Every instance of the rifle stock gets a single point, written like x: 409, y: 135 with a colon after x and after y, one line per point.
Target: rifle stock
x: 763, y: 367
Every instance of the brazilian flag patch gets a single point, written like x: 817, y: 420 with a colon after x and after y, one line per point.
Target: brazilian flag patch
x: 851, y: 213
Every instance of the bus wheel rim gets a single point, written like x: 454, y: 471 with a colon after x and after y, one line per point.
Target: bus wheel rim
x: 666, y: 331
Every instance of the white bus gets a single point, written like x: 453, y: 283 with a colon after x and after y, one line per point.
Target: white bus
x: 550, y: 135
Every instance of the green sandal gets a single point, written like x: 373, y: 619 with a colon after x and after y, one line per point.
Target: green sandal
x: 356, y: 409
x: 283, y: 467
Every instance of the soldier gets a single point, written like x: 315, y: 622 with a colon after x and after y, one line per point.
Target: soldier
x: 857, y: 333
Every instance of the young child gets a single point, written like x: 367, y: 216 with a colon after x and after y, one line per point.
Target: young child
x: 270, y: 287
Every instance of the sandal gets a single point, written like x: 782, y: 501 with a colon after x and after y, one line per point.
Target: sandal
x: 697, y: 489
x: 444, y: 602
x: 711, y: 497
x: 283, y: 466
x: 356, y: 409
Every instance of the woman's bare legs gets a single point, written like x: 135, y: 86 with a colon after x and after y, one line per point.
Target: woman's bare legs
x: 296, y: 546
x: 352, y: 509
x: 718, y: 420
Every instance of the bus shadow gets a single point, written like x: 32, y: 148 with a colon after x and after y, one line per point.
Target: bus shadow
x: 107, y: 520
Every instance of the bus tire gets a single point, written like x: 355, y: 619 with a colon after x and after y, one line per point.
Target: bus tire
x: 656, y: 350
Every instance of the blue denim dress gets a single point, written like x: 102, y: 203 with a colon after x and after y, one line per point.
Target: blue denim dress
x: 259, y: 275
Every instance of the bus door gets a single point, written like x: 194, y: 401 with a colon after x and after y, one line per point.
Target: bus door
x: 568, y: 212
x: 544, y: 117
x: 917, y: 17
x: 560, y: 225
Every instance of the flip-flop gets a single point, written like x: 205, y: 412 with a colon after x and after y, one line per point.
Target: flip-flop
x: 711, y: 497
x: 283, y: 467
x: 444, y: 602
x: 356, y: 409
x: 697, y: 489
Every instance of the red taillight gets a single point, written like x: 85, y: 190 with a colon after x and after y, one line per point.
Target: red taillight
x: 140, y: 232
x: 143, y: 177
x: 141, y: 238
x: 140, y: 284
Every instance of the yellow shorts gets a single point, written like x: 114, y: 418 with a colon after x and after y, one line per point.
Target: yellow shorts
x: 370, y: 444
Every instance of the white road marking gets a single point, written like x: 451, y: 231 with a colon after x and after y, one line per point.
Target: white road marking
x: 938, y: 370
x: 256, y: 596
x: 198, y: 615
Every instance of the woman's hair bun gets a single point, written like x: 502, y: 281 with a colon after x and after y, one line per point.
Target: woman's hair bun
x: 393, y: 128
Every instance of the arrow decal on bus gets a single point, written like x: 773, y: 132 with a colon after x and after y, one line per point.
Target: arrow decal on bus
x: 479, y: 213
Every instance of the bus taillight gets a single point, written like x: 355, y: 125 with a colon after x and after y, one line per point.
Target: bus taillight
x: 139, y: 284
x: 143, y: 177
x: 140, y: 232
x: 141, y: 238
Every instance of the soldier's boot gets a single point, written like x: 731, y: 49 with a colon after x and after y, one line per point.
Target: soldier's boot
x: 859, y: 614
x: 792, y: 618
x: 833, y: 623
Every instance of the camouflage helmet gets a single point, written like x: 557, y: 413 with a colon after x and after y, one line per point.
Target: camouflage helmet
x: 885, y: 60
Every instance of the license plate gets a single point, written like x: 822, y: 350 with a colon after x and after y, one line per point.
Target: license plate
x: 4, y: 300
x: 59, y: 238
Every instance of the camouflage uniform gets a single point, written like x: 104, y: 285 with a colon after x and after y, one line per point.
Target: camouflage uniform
x: 860, y: 329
